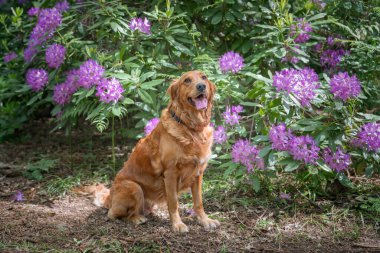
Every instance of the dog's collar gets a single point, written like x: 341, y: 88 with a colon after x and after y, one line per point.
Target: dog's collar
x: 175, y: 117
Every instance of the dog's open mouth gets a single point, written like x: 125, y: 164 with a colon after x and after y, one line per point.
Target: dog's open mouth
x: 200, y: 102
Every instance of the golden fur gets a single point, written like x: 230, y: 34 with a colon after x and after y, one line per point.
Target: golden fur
x: 171, y: 159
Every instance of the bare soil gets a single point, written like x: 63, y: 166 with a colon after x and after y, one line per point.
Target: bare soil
x: 71, y: 223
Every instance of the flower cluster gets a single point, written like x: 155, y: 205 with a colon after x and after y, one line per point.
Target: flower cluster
x: 330, y: 58
x: 301, y: 30
x: 220, y: 135
x: 62, y: 92
x: 143, y: 25
x: 34, y: 11
x: 9, y: 57
x: 231, y: 115
x: 36, y: 79
x: 337, y: 160
x: 231, y: 61
x: 369, y: 136
x: 55, y: 55
x: 280, y: 137
x: 151, y: 125
x: 109, y: 90
x: 48, y: 20
x: 302, y: 83
x: 344, y: 86
x: 90, y: 73
x: 248, y: 155
x: 302, y: 148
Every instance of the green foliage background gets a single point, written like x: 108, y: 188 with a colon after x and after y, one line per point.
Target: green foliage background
x: 190, y: 35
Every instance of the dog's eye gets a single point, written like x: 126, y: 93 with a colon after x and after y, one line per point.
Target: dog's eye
x: 204, y: 77
x: 187, y: 80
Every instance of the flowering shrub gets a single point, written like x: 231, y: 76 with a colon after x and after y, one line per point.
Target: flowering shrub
x: 296, y: 93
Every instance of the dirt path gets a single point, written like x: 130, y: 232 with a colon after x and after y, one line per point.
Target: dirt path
x: 71, y: 223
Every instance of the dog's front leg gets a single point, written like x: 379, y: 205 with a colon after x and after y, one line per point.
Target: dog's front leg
x: 203, y: 219
x: 171, y: 186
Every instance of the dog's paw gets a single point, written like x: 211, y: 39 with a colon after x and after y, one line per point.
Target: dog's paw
x: 209, y: 224
x: 180, y: 227
x: 137, y: 220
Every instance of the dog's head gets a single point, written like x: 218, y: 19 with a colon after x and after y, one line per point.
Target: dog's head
x: 192, y: 91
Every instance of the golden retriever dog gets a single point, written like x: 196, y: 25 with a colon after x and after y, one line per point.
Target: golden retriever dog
x: 171, y: 159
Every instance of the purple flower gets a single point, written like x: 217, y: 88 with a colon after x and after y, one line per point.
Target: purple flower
x: 36, y: 79
x: 285, y: 196
x: 151, y: 125
x: 49, y: 19
x: 29, y: 53
x: 231, y: 61
x: 302, y: 83
x: 62, y: 6
x: 337, y: 160
x: 9, y: 57
x: 344, y: 86
x: 90, y: 73
x: 220, y: 135
x: 246, y: 154
x: 280, y: 137
x: 304, y: 148
x: 301, y: 30
x: 33, y: 11
x: 231, y: 115
x: 55, y: 55
x: 143, y: 25
x: 47, y: 23
x: 191, y: 212
x: 330, y: 58
x: 369, y: 136
x: 319, y: 4
x: 63, y: 92
x: 18, y: 196
x: 109, y: 90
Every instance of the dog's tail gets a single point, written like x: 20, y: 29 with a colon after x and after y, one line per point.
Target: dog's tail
x: 100, y: 193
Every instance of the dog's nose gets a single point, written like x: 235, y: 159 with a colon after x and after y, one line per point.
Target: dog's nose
x: 201, y: 87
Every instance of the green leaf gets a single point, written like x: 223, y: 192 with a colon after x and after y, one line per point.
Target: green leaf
x: 259, y: 77
x: 318, y: 16
x: 225, y: 156
x: 293, y: 165
x: 345, y: 181
x: 265, y: 150
x: 216, y: 18
x: 123, y: 76
x: 260, y: 138
x: 145, y: 96
x: 231, y: 168
x: 116, y: 111
x: 256, y: 183
x: 128, y: 101
x: 34, y: 98
x: 149, y: 85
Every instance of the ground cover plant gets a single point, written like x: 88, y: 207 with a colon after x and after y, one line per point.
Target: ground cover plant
x: 296, y: 118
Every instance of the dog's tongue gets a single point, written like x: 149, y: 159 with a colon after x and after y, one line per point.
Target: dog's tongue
x: 200, y: 103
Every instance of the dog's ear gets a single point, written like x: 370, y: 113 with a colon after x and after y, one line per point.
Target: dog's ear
x: 212, y: 88
x: 173, y: 89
